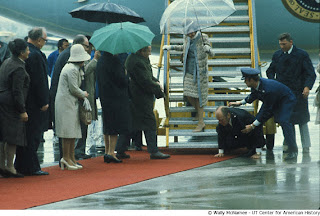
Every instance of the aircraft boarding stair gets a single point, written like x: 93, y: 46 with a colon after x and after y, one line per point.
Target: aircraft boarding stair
x: 234, y: 43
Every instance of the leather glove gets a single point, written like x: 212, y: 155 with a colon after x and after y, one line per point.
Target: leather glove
x: 167, y: 47
x: 86, y: 104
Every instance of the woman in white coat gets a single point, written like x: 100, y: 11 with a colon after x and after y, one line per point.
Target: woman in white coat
x: 67, y: 120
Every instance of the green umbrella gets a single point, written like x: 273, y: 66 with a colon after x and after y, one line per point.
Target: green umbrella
x: 122, y: 38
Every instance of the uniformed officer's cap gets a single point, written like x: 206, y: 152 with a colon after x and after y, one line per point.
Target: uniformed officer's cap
x: 249, y: 72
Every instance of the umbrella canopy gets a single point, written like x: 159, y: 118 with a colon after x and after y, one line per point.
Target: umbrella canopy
x: 106, y: 13
x: 122, y: 38
x: 186, y: 16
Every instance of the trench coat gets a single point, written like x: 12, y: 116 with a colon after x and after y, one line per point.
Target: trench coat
x: 67, y: 119
x: 296, y: 71
x: 14, y: 85
x: 113, y: 93
x: 231, y: 137
x: 143, y: 88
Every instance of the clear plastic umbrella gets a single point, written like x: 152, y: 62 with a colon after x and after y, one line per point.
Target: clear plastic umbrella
x: 185, y: 16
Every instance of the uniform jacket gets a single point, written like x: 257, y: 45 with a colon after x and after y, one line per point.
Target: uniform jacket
x: 278, y: 100
x: 67, y: 120
x: 230, y: 137
x: 143, y: 88
x: 38, y: 95
x: 52, y: 58
x: 296, y: 71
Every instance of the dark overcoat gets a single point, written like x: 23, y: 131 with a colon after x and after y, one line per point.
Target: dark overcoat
x: 277, y: 98
x: 231, y: 137
x: 14, y: 85
x: 143, y: 88
x: 27, y: 161
x: 113, y: 93
x: 296, y: 71
x: 38, y: 96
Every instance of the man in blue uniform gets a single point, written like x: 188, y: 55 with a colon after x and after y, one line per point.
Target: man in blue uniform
x: 292, y: 66
x: 278, y: 101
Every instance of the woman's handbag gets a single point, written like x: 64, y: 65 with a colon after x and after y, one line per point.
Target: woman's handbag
x: 85, y: 111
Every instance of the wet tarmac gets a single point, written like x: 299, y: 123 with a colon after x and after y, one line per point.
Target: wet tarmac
x: 239, y: 183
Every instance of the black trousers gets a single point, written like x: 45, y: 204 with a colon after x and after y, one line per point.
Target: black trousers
x: 27, y: 161
x: 124, y: 141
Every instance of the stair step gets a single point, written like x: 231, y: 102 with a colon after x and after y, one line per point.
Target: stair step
x: 204, y: 19
x: 216, y: 40
x: 213, y: 85
x: 214, y: 73
x: 206, y: 109
x: 189, y: 132
x: 227, y: 29
x: 216, y: 62
x: 216, y: 97
x: 188, y: 121
x: 220, y: 51
x: 190, y: 145
x: 237, y: 7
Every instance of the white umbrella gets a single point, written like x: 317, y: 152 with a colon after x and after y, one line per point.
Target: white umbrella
x: 185, y: 16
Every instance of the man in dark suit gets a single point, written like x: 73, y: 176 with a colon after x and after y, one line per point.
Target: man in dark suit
x: 278, y: 101
x: 60, y: 63
x: 230, y: 136
x: 37, y: 104
x: 292, y: 66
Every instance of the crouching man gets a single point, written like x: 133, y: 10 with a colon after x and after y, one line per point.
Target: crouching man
x: 232, y: 122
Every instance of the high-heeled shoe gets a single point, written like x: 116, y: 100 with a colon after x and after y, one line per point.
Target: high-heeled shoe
x: 77, y: 165
x: 199, y: 128
x: 65, y: 164
x: 109, y: 158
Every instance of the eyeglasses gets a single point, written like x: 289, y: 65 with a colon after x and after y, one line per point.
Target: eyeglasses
x: 46, y: 40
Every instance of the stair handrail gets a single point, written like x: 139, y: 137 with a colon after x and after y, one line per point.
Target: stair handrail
x: 254, y: 42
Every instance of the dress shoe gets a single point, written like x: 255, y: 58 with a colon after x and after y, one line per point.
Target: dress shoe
x: 64, y: 164
x: 159, y: 155
x: 109, y: 158
x: 122, y: 155
x: 249, y: 153
x: 83, y: 156
x: 4, y: 173
x: 40, y: 172
x: 138, y: 148
x: 200, y: 127
x: 15, y: 175
x: 291, y: 156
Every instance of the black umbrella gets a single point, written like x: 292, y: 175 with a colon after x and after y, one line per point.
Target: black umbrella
x: 106, y: 13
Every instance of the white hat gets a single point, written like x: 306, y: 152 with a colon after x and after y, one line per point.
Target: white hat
x: 78, y: 54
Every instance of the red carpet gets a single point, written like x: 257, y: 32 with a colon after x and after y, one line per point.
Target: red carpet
x: 96, y: 176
